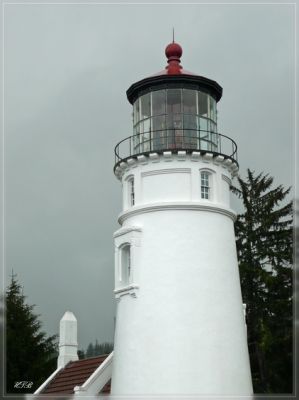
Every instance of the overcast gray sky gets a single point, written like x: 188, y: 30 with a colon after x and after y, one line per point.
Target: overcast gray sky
x: 67, y: 68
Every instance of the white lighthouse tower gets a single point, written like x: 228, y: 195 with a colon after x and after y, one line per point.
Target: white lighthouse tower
x: 180, y: 327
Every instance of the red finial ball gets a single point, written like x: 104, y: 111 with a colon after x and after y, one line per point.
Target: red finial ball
x: 173, y: 50
x: 173, y: 53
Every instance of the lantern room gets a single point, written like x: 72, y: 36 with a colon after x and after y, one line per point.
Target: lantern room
x: 175, y: 110
x: 174, y: 118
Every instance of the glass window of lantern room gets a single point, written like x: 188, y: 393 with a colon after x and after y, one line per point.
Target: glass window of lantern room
x: 205, y: 184
x: 145, y: 112
x: 203, y: 104
x: 212, y: 108
x: 145, y: 106
x: 174, y: 101
x: 174, y: 118
x: 137, y: 127
x: 136, y: 116
x: 158, y: 132
x: 190, y: 118
x: 158, y: 123
x: 125, y: 262
x: 159, y: 102
x: 189, y: 101
x: 213, y: 136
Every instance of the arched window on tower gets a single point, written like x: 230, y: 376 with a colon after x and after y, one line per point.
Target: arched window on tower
x: 205, y: 185
x: 125, y: 264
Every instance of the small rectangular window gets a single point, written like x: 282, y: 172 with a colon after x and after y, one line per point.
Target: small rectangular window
x: 131, y: 192
x: 205, y: 187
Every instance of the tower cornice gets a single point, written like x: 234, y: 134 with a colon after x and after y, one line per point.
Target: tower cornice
x: 183, y: 206
x: 167, y: 156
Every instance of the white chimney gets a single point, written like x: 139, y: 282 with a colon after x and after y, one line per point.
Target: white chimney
x: 68, y: 345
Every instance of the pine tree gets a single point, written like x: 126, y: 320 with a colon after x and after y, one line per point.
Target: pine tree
x: 90, y: 351
x: 30, y: 355
x: 104, y: 348
x: 81, y: 354
x: 264, y: 238
x: 98, y: 349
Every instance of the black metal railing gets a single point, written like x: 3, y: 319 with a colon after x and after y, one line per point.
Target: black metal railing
x: 175, y: 140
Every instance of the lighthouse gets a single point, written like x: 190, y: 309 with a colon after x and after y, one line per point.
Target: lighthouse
x: 180, y: 327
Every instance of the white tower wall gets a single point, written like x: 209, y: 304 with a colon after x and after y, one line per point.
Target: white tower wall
x: 180, y: 326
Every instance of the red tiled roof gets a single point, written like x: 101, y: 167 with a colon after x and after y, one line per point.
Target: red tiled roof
x: 107, y: 387
x: 75, y: 373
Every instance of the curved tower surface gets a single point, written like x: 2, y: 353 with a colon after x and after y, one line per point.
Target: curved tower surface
x: 180, y: 327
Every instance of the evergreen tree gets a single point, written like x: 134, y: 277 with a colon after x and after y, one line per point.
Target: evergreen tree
x: 98, y: 349
x: 264, y: 238
x: 104, y: 348
x: 30, y: 355
x: 90, y: 351
x: 81, y: 354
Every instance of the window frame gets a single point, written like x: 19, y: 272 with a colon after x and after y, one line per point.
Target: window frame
x: 125, y: 270
x: 124, y: 237
x: 206, y: 188
x: 131, y: 198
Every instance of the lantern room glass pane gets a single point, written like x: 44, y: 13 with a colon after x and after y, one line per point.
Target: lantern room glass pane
x: 189, y: 101
x: 204, y: 140
x: 136, y: 144
x: 203, y: 124
x: 147, y: 125
x: 145, y: 106
x: 159, y: 102
x: 203, y: 104
x: 140, y: 127
x: 159, y: 132
x: 136, y: 116
x: 213, y: 126
x: 214, y: 141
x: 175, y: 121
x: 145, y: 138
x: 158, y: 123
x: 190, y: 131
x: 190, y: 122
x: 212, y: 108
x: 174, y: 101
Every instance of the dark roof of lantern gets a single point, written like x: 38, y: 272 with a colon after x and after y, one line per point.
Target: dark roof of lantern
x: 75, y: 373
x: 174, y: 76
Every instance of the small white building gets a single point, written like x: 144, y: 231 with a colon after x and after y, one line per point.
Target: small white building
x: 88, y: 377
x: 180, y: 326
